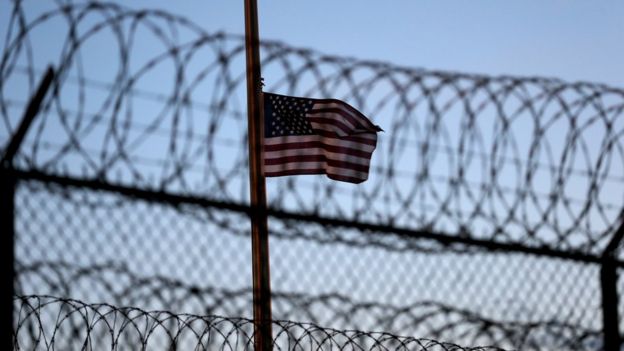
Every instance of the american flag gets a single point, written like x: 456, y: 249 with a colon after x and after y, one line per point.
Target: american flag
x: 316, y: 136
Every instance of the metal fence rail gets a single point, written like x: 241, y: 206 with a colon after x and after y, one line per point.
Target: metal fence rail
x: 493, y: 213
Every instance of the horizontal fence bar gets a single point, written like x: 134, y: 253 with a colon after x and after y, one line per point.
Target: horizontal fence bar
x: 175, y: 199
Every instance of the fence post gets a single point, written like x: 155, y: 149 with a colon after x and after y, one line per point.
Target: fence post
x: 608, y: 286
x: 7, y: 223
x: 8, y: 183
x: 610, y: 315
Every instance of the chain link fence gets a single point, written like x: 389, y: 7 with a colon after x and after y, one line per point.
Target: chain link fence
x: 486, y: 220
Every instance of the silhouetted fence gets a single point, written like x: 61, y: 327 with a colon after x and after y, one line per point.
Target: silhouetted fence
x: 491, y: 216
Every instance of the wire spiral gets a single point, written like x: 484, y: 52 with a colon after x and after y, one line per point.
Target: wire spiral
x: 530, y: 160
x: 429, y: 318
x: 45, y: 321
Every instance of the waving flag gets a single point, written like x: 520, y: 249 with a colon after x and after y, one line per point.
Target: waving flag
x: 316, y: 136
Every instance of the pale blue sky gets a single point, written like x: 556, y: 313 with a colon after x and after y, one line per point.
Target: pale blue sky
x: 572, y: 39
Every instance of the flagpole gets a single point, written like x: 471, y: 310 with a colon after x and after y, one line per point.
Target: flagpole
x: 263, y: 335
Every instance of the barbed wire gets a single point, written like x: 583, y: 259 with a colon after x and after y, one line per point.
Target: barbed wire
x: 535, y: 161
x: 429, y: 319
x: 47, y: 323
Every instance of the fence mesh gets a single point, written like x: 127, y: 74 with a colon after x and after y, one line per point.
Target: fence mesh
x: 489, y: 204
x: 97, y: 246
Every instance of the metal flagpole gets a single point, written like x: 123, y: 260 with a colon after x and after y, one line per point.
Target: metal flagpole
x: 263, y: 335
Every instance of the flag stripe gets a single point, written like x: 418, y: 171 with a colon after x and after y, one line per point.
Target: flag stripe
x: 274, y: 143
x: 316, y: 148
x: 333, y: 176
x: 315, y: 160
x: 362, y: 138
x: 331, y: 103
x: 319, y: 125
x: 336, y: 115
x: 320, y: 167
x: 352, y: 163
